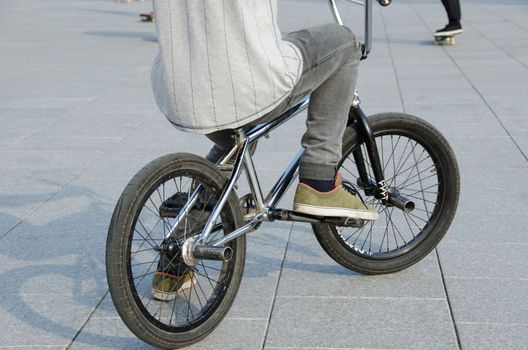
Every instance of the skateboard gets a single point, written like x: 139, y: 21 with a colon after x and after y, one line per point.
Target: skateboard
x: 444, y: 40
x: 146, y: 17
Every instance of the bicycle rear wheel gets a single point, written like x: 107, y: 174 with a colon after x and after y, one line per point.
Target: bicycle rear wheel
x: 419, y: 164
x: 137, y: 250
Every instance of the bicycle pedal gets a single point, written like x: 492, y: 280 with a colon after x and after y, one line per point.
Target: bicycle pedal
x: 171, y: 207
x: 354, y: 223
x: 348, y: 222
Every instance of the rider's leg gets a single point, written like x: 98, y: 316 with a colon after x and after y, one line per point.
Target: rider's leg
x: 331, y: 58
x: 452, y: 8
x: 330, y: 67
x: 223, y: 142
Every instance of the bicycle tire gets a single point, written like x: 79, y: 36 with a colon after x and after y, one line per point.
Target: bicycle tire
x: 362, y: 255
x: 125, y: 256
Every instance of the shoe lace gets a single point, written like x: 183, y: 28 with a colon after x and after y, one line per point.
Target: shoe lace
x: 350, y: 188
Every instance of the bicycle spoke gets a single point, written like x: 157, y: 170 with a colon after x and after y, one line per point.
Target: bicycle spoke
x: 426, y: 188
x: 425, y: 200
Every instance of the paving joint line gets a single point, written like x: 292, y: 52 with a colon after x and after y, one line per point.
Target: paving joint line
x: 276, y: 288
x: 450, y: 307
x: 88, y: 318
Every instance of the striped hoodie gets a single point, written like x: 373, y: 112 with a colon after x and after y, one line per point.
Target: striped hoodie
x: 222, y: 63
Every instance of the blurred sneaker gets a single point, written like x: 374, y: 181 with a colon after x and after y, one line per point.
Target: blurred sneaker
x: 165, y: 286
x: 449, y: 30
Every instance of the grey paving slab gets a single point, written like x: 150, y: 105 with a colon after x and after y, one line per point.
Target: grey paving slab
x: 497, y: 160
x: 22, y: 191
x: 84, y: 127
x: 8, y: 222
x: 107, y: 333
x: 309, y: 272
x: 14, y: 129
x: 488, y: 300
x: 61, y: 273
x: 249, y: 334
x: 469, y: 259
x: 57, y: 143
x: 523, y: 145
x: 43, y: 90
x: 474, y: 199
x: 77, y: 116
x: 489, y: 152
x: 507, y: 107
x: 486, y: 145
x: 48, y: 159
x: 36, y: 320
x: 44, y: 102
x: 265, y: 250
x: 517, y: 126
x: 314, y: 322
x: 12, y: 115
x: 102, y: 333
x: 479, y: 203
x: 471, y: 226
x: 24, y: 181
x: 477, y: 336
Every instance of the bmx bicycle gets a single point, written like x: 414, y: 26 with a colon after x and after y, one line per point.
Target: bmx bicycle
x: 182, y: 208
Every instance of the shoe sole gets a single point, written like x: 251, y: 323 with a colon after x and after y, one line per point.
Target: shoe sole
x: 163, y: 296
x: 449, y: 33
x: 336, y: 212
x: 169, y: 296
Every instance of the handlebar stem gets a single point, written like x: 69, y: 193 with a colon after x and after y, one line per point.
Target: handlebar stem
x: 368, y: 23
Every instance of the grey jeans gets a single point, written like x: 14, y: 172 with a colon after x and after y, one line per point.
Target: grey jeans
x: 330, y: 68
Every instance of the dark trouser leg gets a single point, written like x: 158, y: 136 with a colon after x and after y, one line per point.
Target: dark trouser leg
x: 223, y: 140
x: 452, y: 8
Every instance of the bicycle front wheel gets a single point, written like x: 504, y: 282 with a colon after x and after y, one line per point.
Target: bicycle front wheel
x: 139, y: 255
x: 418, y: 164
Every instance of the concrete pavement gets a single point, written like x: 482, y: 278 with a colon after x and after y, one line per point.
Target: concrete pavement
x: 77, y: 120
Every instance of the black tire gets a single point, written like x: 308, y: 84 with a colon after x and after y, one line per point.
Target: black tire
x: 138, y: 228
x: 397, y: 239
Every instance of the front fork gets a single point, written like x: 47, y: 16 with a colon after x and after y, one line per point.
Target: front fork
x: 379, y: 189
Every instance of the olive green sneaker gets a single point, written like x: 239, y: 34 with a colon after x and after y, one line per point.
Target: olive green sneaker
x: 336, y: 203
x: 165, y: 286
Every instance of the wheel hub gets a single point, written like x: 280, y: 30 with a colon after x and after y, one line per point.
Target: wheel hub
x: 187, y: 252
x: 170, y: 250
